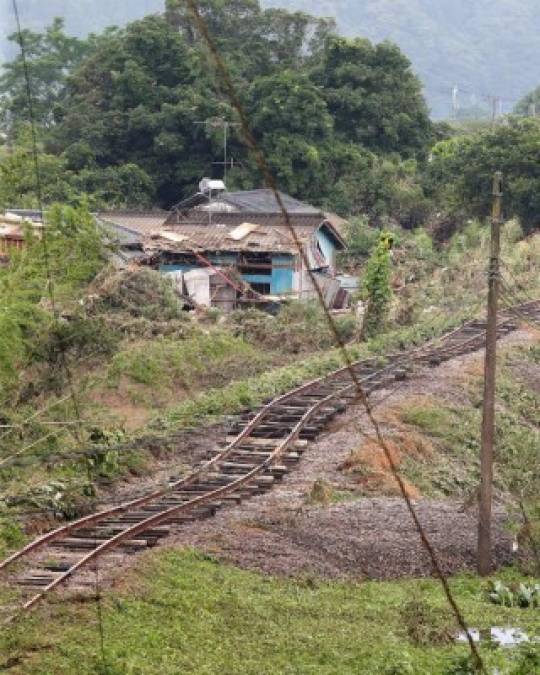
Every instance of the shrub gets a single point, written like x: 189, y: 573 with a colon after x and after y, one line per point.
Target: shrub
x: 141, y: 292
x: 377, y: 286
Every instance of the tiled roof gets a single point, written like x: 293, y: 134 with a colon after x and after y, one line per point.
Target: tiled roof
x: 236, y: 218
x: 265, y: 201
x: 138, y: 222
x: 266, y: 232
x: 264, y: 238
x: 261, y: 201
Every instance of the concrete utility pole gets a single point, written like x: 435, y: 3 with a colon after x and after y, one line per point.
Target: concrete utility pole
x: 488, y: 411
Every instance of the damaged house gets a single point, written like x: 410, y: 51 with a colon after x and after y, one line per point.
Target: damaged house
x: 13, y: 224
x: 220, y: 243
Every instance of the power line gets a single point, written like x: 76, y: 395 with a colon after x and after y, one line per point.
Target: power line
x: 50, y: 281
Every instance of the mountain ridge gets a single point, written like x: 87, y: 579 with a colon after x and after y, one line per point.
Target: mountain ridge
x: 486, y: 48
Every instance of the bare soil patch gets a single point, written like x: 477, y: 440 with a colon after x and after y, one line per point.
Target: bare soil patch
x: 367, y: 538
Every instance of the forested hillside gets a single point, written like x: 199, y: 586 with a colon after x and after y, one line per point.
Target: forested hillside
x: 487, y: 47
x: 119, y: 114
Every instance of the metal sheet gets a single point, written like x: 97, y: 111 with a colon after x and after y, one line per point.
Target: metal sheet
x: 242, y: 231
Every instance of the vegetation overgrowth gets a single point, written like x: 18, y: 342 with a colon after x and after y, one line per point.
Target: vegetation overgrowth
x: 453, y: 468
x: 143, y: 365
x: 184, y: 612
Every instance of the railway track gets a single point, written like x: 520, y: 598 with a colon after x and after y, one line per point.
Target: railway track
x: 264, y: 445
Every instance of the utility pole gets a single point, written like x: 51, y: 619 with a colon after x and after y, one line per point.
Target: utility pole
x: 488, y: 410
x: 455, y: 101
x: 495, y: 104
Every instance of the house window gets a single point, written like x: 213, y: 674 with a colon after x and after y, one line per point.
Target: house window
x: 259, y: 287
x: 255, y: 264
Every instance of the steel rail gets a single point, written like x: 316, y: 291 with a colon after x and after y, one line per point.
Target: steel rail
x: 102, y: 515
x: 93, y: 519
x: 163, y: 516
x: 434, y: 347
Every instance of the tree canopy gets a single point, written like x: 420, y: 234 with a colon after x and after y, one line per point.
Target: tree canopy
x: 462, y: 168
x: 125, y: 112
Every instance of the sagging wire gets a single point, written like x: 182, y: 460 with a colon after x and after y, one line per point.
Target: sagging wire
x: 48, y: 271
x: 271, y: 183
x: 508, y: 295
x: 517, y: 283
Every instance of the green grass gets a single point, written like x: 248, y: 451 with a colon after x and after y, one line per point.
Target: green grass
x: 181, y: 612
x: 454, y: 430
x: 168, y: 362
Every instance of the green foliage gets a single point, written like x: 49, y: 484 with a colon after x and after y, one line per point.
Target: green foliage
x: 123, y: 113
x: 165, y: 361
x: 477, y: 54
x: 373, y: 96
x: 425, y: 624
x: 303, y: 326
x: 142, y: 292
x: 18, y: 186
x: 49, y: 58
x: 376, y: 283
x: 516, y: 595
x: 360, y: 238
x: 462, y: 169
x: 11, y: 534
x: 59, y: 498
x: 70, y: 253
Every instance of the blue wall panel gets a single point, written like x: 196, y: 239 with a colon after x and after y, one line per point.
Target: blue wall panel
x: 280, y: 278
x: 327, y: 245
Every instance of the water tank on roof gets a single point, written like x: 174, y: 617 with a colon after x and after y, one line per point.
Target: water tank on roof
x: 208, y: 185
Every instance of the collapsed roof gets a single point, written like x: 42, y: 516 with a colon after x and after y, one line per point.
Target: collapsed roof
x: 241, y: 232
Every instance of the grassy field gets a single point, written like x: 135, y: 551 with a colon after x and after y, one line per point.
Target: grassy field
x: 180, y: 612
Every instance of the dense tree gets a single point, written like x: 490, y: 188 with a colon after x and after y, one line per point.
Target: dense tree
x: 254, y: 41
x: 373, y: 96
x: 462, y: 168
x: 136, y: 100
x: 75, y: 254
x: 482, y: 46
x: 290, y: 119
x: 50, y: 56
x: 18, y: 184
x: 529, y: 104
x: 126, y: 122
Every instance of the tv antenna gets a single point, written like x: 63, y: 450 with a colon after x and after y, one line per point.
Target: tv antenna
x: 222, y: 123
